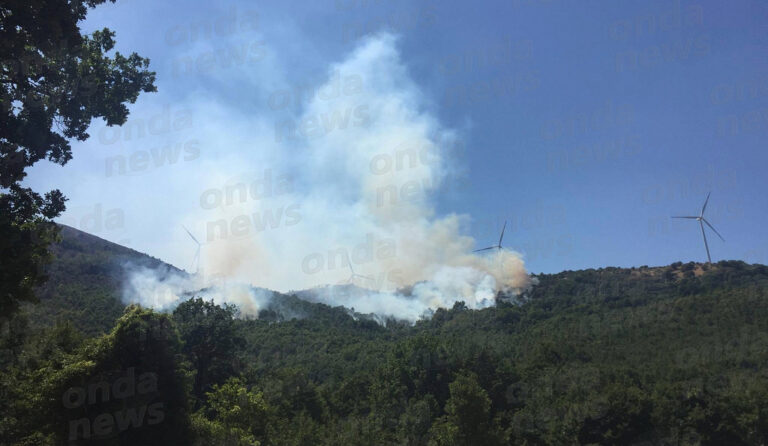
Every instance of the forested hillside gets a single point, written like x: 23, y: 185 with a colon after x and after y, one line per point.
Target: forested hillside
x: 663, y: 355
x: 85, y: 281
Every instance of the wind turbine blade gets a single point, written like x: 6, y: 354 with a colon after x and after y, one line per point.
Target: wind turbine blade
x: 485, y: 249
x: 713, y: 228
x: 502, y: 233
x: 705, y: 204
x: 706, y: 245
x: 684, y: 217
x: 190, y: 234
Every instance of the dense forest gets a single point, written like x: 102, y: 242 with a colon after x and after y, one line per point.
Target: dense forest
x: 660, y: 355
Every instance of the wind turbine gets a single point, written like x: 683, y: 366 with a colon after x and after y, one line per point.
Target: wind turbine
x: 354, y: 274
x: 196, y: 258
x: 495, y: 246
x: 702, y: 221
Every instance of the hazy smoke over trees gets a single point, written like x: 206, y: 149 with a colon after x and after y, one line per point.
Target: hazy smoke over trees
x: 351, y: 182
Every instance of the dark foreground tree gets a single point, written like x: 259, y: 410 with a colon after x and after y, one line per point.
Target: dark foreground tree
x: 53, y: 82
x: 129, y: 387
x: 210, y: 342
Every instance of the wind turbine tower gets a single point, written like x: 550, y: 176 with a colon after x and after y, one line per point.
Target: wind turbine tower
x: 703, y: 221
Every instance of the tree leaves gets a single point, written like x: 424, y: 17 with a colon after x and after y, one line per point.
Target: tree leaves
x: 53, y: 83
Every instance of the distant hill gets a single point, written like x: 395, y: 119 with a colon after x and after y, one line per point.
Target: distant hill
x: 86, y: 277
x: 639, y: 286
x: 87, y: 273
x: 85, y: 280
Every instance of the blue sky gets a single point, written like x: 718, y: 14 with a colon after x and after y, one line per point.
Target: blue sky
x: 585, y: 125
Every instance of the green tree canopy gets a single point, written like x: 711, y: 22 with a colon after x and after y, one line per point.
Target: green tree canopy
x: 210, y: 341
x: 53, y: 82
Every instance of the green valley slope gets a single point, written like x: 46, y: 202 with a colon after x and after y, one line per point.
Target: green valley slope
x: 651, y: 355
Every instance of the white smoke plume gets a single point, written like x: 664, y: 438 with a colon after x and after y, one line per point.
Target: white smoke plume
x: 476, y: 287
x: 348, y: 178
x: 164, y: 291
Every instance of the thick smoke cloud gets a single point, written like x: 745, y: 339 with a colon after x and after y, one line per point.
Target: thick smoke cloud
x: 165, y: 290
x: 347, y: 180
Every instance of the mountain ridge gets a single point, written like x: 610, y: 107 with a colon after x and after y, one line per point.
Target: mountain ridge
x: 87, y: 274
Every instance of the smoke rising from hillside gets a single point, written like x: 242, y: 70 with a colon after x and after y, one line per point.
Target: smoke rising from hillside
x: 348, y: 179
